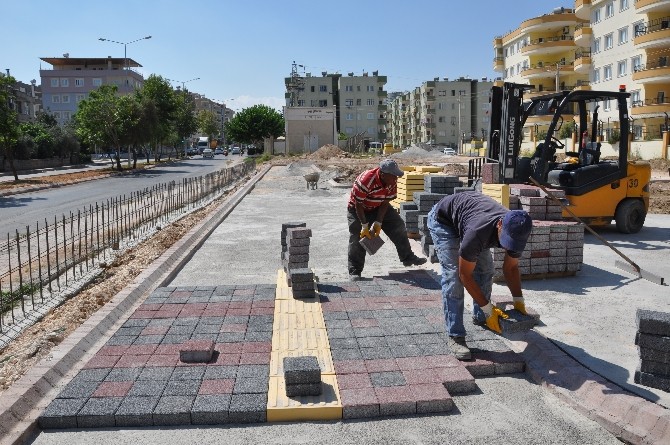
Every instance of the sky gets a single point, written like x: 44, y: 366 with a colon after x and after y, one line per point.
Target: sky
x: 240, y: 51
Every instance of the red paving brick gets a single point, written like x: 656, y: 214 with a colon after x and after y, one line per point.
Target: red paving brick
x: 217, y: 386
x: 227, y: 359
x: 443, y: 361
x: 233, y: 327
x: 244, y: 291
x: 172, y: 349
x: 262, y: 311
x: 132, y: 361
x: 112, y: 350
x: 141, y: 349
x: 358, y: 397
x: 163, y: 360
x: 216, y: 307
x: 239, y: 311
x: 229, y: 348
x: 380, y: 365
x: 102, y: 361
x: 112, y: 389
x: 354, y: 381
x: 408, y: 363
x: 255, y: 358
x: 394, y: 394
x: 364, y: 323
x: 155, y: 330
x: 150, y: 307
x: 349, y: 367
x: 421, y: 376
x: 257, y: 346
x: 428, y: 392
x: 143, y: 314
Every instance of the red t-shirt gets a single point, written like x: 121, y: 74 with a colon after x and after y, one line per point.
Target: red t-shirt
x: 370, y: 191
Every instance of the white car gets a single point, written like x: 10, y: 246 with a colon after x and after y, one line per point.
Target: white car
x: 207, y: 153
x: 449, y: 151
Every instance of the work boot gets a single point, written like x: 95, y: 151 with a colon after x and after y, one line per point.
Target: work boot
x: 414, y: 261
x: 459, y: 348
x: 355, y: 277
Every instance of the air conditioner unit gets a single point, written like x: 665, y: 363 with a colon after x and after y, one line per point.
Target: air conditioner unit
x: 566, y: 30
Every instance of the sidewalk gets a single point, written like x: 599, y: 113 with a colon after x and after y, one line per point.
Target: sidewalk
x: 590, y: 316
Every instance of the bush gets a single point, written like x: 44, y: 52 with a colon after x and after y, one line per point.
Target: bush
x: 614, y: 137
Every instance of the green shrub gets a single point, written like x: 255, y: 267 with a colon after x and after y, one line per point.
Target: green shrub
x: 614, y: 137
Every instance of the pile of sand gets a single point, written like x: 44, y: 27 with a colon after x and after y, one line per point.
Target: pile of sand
x: 328, y: 151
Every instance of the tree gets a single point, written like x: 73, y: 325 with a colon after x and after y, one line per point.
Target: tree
x: 207, y: 123
x: 160, y: 92
x: 252, y: 125
x: 185, y: 121
x: 9, y: 123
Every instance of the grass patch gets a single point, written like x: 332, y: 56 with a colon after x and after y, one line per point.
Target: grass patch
x: 10, y: 299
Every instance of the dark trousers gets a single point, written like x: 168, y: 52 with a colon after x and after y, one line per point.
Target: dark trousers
x: 392, y: 225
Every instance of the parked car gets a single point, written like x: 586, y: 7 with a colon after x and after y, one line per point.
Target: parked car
x: 235, y: 151
x: 207, y: 153
x: 218, y: 151
x: 449, y: 151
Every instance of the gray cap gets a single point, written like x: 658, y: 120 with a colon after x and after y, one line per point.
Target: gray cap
x: 390, y: 167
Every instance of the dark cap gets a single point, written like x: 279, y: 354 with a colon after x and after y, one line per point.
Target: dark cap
x: 516, y: 227
x: 390, y: 167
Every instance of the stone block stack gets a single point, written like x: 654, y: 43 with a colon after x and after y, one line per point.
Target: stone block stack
x: 295, y: 241
x: 427, y: 246
x: 443, y: 184
x: 302, y: 376
x: 653, y: 345
x: 536, y: 202
x: 409, y: 212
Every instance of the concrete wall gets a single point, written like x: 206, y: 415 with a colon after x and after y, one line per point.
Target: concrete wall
x: 32, y: 164
x: 308, y: 129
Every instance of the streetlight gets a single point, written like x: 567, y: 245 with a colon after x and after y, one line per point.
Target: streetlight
x: 125, y: 47
x: 184, y: 82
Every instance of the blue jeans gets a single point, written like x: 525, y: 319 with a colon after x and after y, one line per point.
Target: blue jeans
x: 447, y: 244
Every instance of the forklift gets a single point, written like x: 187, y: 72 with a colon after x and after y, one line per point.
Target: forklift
x: 597, y: 191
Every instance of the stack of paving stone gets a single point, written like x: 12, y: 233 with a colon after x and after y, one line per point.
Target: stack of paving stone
x: 653, y: 344
x: 443, y: 184
x: 554, y: 247
x: 536, y: 202
x: 302, y: 376
x: 427, y: 246
x: 409, y: 212
x: 409, y: 183
x: 295, y: 240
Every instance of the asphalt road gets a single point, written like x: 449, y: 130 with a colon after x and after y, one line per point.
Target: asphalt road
x: 26, y: 209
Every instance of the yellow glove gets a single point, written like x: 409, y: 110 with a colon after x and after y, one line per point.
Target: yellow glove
x: 521, y: 307
x: 376, y: 228
x: 492, y: 320
x: 365, y: 231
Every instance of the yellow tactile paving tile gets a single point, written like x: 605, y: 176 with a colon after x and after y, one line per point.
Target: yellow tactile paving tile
x: 322, y: 355
x: 300, y: 339
x: 294, y: 306
x: 304, y: 320
x: 281, y: 408
x: 428, y: 169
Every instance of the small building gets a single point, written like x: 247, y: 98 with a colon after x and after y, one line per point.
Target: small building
x: 309, y: 128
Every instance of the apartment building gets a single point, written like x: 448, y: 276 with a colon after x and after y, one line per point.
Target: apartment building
x: 71, y: 79
x: 26, y: 99
x: 360, y: 101
x: 219, y: 109
x: 440, y: 112
x: 599, y: 45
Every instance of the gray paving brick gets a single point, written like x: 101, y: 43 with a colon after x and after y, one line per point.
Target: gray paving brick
x: 181, y: 329
x: 652, y: 341
x: 181, y: 388
x: 360, y: 411
x: 161, y: 322
x: 92, y: 375
x: 346, y: 354
x: 376, y: 353
x: 340, y: 315
x: 368, y: 332
x: 156, y: 373
x: 133, y: 331
x: 173, y: 410
x: 78, y: 390
x: 186, y: 321
x: 132, y: 322
x: 338, y: 324
x: 98, y: 412
x: 120, y: 340
x: 400, y: 340
x: 188, y: 373
x: 210, y: 320
x: 255, y: 336
x: 251, y: 385
x: 123, y: 375
x: 230, y: 337
x: 652, y: 367
x: 345, y: 343
x: 652, y: 380
x: 397, y: 408
x: 152, y: 339
x: 495, y: 345
x: 210, y: 409
x: 371, y: 342
x: 61, y: 413
x: 300, y: 370
x: 405, y: 351
x: 391, y: 378
x: 220, y: 372
x: 258, y: 371
x: 175, y: 339
x: 517, y: 322
x: 145, y: 388
x: 303, y: 389
x: 205, y: 328
x: 248, y: 408
x: 136, y: 411
x: 654, y: 355
x: 434, y: 349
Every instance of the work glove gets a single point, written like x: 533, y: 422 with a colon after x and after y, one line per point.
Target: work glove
x: 376, y: 228
x: 492, y: 321
x: 365, y: 231
x: 521, y: 307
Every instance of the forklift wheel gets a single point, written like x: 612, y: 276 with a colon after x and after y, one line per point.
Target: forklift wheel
x: 630, y: 215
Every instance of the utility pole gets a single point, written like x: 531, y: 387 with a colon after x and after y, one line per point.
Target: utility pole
x: 295, y: 85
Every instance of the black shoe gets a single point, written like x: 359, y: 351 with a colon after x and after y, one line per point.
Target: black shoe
x: 476, y: 322
x: 355, y: 277
x: 459, y: 348
x: 414, y: 261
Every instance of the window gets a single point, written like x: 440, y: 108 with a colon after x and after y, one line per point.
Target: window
x: 349, y: 102
x: 596, y: 75
x: 54, y: 82
x: 596, y: 16
x: 596, y: 45
x: 79, y: 82
x: 349, y: 116
x: 622, y: 68
x: 371, y: 116
x: 323, y: 103
x: 511, y: 71
x: 97, y: 81
x: 358, y: 88
x: 635, y: 98
x: 65, y: 99
x: 79, y: 97
x: 312, y: 103
x: 371, y: 88
x: 56, y: 114
x: 349, y: 88
x: 635, y: 63
x: 372, y: 130
x: 55, y: 99
x: 323, y: 88
x: 349, y: 130
x: 609, y: 41
x: 311, y: 88
x: 301, y: 102
x: 359, y: 102
x: 371, y: 102
x: 64, y: 83
x: 606, y: 105
x: 609, y: 10
x: 623, y: 5
x: 441, y: 119
x: 453, y: 120
x: 623, y: 35
x: 442, y: 93
x: 66, y: 115
x: 607, y: 72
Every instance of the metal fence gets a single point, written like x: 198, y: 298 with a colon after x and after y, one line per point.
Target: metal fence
x: 40, y: 266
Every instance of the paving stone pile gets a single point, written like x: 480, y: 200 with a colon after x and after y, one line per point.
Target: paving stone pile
x: 302, y: 376
x: 653, y: 344
x: 535, y: 201
x: 295, y: 241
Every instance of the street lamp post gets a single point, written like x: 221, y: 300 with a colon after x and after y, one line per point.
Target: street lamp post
x: 125, y: 63
x: 184, y: 82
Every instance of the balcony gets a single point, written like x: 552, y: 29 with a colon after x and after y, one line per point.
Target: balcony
x: 583, y: 85
x: 583, y: 36
x: 650, y: 107
x: 583, y: 62
x: 543, y: 70
x: 498, y: 64
x: 549, y: 45
x: 382, y: 93
x: 548, y: 21
x: 583, y: 9
x: 652, y: 72
x: 647, y: 6
x: 652, y: 34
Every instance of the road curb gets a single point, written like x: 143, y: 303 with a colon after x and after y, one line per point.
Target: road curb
x: 21, y: 404
x: 629, y: 417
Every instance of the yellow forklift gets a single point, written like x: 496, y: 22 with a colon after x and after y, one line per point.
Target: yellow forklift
x: 598, y: 191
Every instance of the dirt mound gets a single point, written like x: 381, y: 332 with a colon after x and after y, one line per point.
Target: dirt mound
x: 329, y: 151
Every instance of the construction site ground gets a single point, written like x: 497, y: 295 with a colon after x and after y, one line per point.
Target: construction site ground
x: 336, y: 166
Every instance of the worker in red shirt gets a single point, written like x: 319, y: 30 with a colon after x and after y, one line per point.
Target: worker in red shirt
x: 369, y: 212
